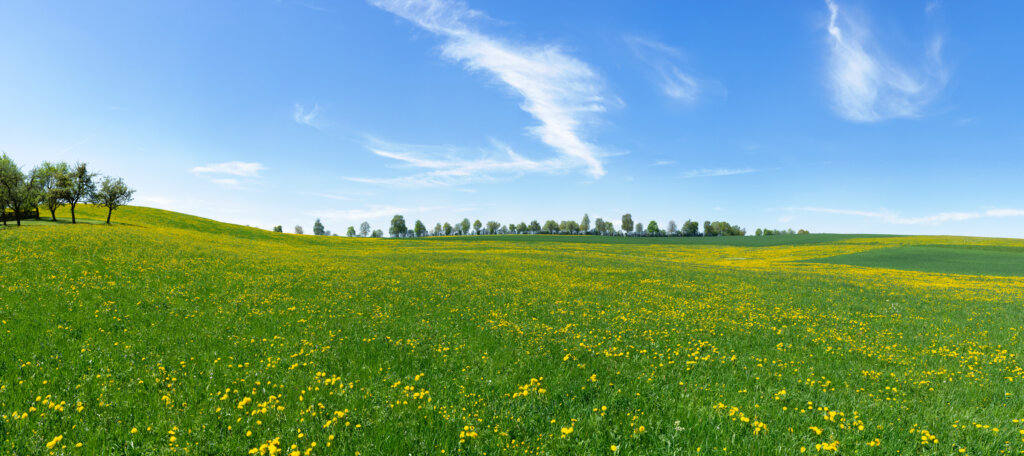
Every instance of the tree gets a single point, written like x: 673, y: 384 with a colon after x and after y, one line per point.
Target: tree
x: 364, y: 229
x: 691, y: 228
x: 627, y: 223
x: 599, y: 225
x: 758, y: 232
x: 351, y: 232
x: 377, y: 234
x: 80, y: 186
x: 420, y: 229
x: 585, y: 223
x: 609, y: 227
x: 521, y: 228
x: 709, y: 229
x: 672, y: 228
x: 550, y: 227
x: 398, y: 227
x: 464, y: 226
x: 476, y: 227
x: 278, y: 229
x: 19, y: 192
x: 447, y: 229
x: 298, y: 229
x: 113, y: 193
x: 49, y: 177
x: 652, y: 228
x: 534, y: 227
x: 803, y: 231
x: 318, y: 228
x: 492, y: 227
x: 639, y: 228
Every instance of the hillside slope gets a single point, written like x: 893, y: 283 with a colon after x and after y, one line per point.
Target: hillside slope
x: 166, y: 333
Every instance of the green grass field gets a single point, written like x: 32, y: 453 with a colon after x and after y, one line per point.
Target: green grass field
x: 952, y: 259
x: 170, y: 334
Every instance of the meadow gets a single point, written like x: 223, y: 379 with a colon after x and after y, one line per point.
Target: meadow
x: 170, y: 334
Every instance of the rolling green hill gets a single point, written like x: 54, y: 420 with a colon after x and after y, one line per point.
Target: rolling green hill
x: 170, y: 334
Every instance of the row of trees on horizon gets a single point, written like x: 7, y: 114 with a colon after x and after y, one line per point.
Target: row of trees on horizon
x: 599, y: 227
x: 52, y: 185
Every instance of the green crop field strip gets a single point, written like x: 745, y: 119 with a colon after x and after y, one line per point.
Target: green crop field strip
x: 976, y: 260
x: 171, y: 334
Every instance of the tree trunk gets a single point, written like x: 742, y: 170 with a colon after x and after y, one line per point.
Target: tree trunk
x: 53, y: 213
x: 72, y: 212
x: 109, y: 210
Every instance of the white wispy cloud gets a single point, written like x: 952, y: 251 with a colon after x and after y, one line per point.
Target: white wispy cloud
x: 717, y: 172
x: 235, y: 168
x: 662, y: 58
x: 895, y: 218
x: 227, y: 182
x: 560, y: 91
x: 868, y: 86
x: 307, y: 117
x: 448, y: 167
x: 664, y: 163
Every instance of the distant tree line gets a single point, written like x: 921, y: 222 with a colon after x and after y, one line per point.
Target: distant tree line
x: 598, y: 227
x: 769, y: 232
x: 52, y: 185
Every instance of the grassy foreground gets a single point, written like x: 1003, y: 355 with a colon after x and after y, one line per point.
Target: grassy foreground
x: 166, y: 333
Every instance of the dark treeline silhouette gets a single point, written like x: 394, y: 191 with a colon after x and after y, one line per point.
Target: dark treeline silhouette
x: 52, y: 185
x: 598, y: 227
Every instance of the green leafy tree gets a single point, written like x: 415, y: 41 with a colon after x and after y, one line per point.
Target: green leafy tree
x: 476, y: 227
x: 639, y: 228
x: 112, y: 194
x: 318, y: 228
x: 627, y: 223
x: 464, y: 226
x: 585, y: 223
x: 492, y: 227
x: 351, y: 232
x: 278, y: 229
x: 49, y: 178
x: 652, y: 228
x: 535, y: 227
x: 398, y: 228
x: 691, y: 228
x: 298, y: 229
x: 521, y: 228
x: 419, y: 229
x: 377, y: 234
x: 18, y: 191
x: 709, y: 229
x: 550, y: 227
x: 447, y: 229
x: 599, y: 225
x: 80, y: 187
x: 364, y: 229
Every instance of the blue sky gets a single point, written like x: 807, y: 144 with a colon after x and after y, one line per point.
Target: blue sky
x: 834, y: 116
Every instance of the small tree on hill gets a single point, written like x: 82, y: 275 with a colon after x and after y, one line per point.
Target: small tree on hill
x: 398, y: 228
x: 364, y: 229
x: 17, y: 191
x: 492, y: 227
x: 652, y: 228
x: 377, y: 234
x: 447, y: 229
x: 476, y: 227
x: 351, y: 232
x: 49, y: 177
x: 80, y: 186
x: 298, y: 229
x: 627, y: 223
x: 318, y: 228
x: 420, y: 229
x: 113, y: 193
x: 278, y: 229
